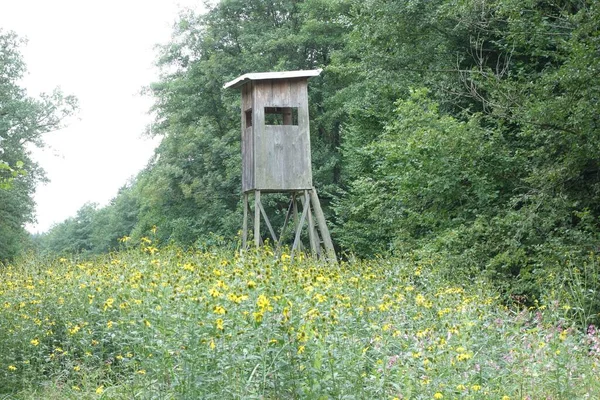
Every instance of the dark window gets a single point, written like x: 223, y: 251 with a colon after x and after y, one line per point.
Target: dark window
x: 281, y: 115
x: 248, y: 118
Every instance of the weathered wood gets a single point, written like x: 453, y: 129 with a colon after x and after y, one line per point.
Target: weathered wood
x: 245, y: 223
x: 296, y: 220
x: 277, y: 157
x: 319, y: 242
x: 299, y: 228
x: 327, y: 242
x: 257, y: 238
x: 311, y: 225
x: 287, y: 219
x: 264, y: 214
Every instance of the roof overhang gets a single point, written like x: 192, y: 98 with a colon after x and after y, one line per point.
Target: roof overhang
x: 258, y: 76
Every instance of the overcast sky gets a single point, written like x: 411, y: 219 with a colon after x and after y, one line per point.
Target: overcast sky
x: 103, y: 53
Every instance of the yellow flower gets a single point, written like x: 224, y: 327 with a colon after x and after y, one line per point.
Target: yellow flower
x: 219, y: 310
x: 301, y: 349
x: 505, y: 398
x: 76, y: 368
x: 100, y: 389
x: 220, y: 324
x: 438, y: 396
x: 74, y: 329
x: 141, y: 372
x: 476, y: 388
x: 34, y: 342
x: 264, y: 303
x: 12, y: 368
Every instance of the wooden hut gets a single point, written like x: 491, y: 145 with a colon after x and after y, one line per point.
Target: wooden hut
x: 276, y: 151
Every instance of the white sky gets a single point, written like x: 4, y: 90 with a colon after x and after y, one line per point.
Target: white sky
x: 103, y: 53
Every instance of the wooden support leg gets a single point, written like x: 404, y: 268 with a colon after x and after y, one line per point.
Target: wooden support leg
x: 327, y: 242
x: 311, y: 224
x: 296, y: 221
x: 287, y: 219
x: 245, y: 223
x: 257, y: 238
x: 299, y: 227
x: 271, y: 231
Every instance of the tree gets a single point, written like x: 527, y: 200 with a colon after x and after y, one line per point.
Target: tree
x: 23, y: 122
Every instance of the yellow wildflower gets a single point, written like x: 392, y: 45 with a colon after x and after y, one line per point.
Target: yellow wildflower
x: 219, y: 310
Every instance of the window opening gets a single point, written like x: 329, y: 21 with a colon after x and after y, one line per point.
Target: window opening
x: 248, y: 118
x: 281, y: 116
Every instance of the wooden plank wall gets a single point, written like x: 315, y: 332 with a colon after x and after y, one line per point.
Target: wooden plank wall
x: 281, y: 153
x: 247, y: 140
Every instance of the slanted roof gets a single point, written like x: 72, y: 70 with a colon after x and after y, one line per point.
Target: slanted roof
x: 256, y: 76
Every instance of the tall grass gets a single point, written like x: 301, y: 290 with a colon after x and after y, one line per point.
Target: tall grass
x: 167, y: 323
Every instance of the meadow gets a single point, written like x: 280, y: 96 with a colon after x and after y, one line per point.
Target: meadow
x: 163, y: 323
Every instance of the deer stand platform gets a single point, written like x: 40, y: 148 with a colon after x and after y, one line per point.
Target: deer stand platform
x: 319, y: 239
x: 276, y: 155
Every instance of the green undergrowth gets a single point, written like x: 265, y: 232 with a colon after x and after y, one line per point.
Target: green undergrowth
x: 167, y: 323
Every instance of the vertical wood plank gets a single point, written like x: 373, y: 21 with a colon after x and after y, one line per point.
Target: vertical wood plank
x: 299, y: 228
x: 257, y: 238
x: 311, y: 225
x: 327, y: 242
x: 296, y: 220
x: 245, y: 224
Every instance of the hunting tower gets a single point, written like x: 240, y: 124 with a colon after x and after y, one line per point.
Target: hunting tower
x: 276, y: 154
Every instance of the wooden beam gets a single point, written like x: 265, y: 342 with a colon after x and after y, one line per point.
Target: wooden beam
x: 287, y: 219
x: 311, y: 225
x: 245, y: 223
x: 257, y: 239
x: 327, y: 242
x: 299, y: 228
x: 271, y: 231
x: 296, y: 217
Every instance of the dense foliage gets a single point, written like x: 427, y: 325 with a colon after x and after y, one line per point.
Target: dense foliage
x: 468, y: 129
x: 152, y: 322
x: 23, y: 121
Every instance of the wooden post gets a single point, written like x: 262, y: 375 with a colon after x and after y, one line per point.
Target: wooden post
x: 271, y: 231
x: 245, y: 223
x: 327, y: 242
x: 296, y: 221
x: 311, y: 225
x: 285, y: 223
x: 257, y: 238
x: 299, y: 228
